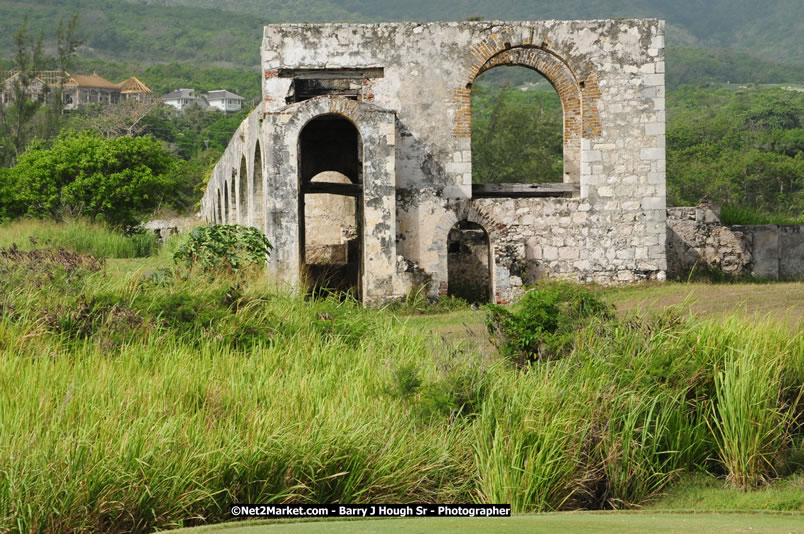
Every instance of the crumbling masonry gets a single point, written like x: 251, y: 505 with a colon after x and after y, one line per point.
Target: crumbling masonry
x: 357, y: 164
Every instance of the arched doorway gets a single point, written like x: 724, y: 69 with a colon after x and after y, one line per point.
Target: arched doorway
x: 233, y: 208
x: 330, y: 200
x: 469, y: 262
x: 219, y: 212
x: 227, y: 209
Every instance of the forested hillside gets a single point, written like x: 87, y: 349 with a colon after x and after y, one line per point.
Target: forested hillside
x: 762, y: 39
x: 735, y: 147
x: 772, y: 28
x: 122, y: 31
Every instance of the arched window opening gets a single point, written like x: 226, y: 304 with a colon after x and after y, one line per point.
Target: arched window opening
x: 469, y: 262
x: 517, y: 128
x: 233, y: 198
x: 242, y: 191
x: 331, y: 170
x: 219, y: 211
x: 258, y: 208
x: 227, y: 209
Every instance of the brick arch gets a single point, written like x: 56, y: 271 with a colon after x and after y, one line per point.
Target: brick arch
x: 578, y: 97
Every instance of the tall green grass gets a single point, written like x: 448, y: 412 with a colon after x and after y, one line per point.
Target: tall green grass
x: 78, y: 236
x: 151, y: 400
x: 751, y: 424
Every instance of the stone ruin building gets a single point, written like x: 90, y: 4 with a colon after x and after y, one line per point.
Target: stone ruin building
x: 357, y: 165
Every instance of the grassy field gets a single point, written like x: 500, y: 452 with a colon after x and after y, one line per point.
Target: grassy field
x: 782, y: 303
x: 137, y: 396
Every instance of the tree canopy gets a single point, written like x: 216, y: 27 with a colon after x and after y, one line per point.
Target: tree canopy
x: 82, y: 174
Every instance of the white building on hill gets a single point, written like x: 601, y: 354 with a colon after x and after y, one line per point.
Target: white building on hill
x: 224, y: 100
x: 181, y: 99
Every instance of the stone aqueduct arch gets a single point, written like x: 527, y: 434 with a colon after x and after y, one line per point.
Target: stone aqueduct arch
x: 411, y: 103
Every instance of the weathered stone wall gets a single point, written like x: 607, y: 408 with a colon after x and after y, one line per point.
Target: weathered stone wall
x: 413, y: 113
x: 695, y: 236
x: 164, y: 228
x: 330, y: 219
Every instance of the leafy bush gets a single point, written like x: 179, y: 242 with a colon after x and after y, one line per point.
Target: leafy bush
x: 458, y: 389
x: 544, y: 322
x: 227, y: 247
x: 117, y: 180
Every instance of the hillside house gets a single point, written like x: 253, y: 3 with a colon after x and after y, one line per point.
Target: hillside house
x: 181, y: 99
x: 78, y: 89
x: 224, y: 100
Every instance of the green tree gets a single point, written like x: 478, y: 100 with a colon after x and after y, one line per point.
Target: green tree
x: 34, y: 109
x: 741, y: 148
x: 16, y: 116
x: 118, y: 180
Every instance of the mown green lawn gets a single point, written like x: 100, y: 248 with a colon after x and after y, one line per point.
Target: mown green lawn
x: 577, y: 523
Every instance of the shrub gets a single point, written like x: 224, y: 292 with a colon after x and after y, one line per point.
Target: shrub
x: 118, y: 180
x: 543, y: 324
x: 227, y: 247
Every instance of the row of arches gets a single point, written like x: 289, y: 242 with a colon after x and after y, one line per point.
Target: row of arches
x: 237, y: 203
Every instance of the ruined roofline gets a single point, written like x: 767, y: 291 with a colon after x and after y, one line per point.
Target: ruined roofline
x: 474, y: 25
x: 471, y: 24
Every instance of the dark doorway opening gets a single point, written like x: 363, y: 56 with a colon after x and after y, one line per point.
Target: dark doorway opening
x: 468, y: 262
x: 330, y: 200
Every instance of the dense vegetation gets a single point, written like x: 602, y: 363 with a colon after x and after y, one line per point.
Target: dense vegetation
x: 741, y: 147
x: 116, y: 180
x: 517, y: 136
x: 717, y: 23
x: 153, y: 33
x: 136, y: 395
x: 213, y: 34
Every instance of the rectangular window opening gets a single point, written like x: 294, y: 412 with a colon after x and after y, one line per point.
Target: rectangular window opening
x: 310, y: 83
